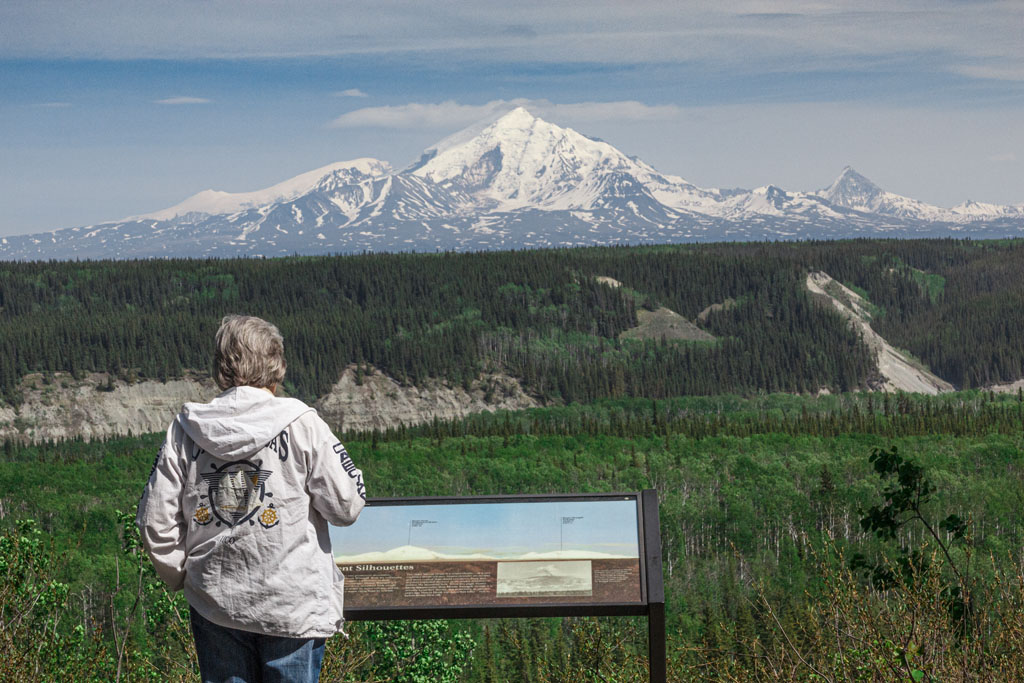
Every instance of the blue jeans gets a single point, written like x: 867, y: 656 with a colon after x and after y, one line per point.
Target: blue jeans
x: 227, y: 655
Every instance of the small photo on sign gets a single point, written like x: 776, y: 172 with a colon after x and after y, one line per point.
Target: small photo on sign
x: 527, y: 579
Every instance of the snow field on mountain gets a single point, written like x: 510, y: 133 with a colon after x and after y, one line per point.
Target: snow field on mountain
x: 511, y: 183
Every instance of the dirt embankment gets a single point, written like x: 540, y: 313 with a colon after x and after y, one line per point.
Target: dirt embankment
x: 899, y: 371
x: 664, y: 323
x: 93, y: 408
x: 661, y: 323
x: 1007, y: 388
x: 380, y: 402
x: 703, y: 316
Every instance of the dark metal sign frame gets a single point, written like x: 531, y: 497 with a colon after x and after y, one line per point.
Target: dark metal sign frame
x: 652, y: 591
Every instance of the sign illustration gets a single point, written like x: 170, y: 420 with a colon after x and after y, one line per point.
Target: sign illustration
x: 498, y: 552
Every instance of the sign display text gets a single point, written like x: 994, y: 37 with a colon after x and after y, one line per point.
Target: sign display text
x: 492, y: 552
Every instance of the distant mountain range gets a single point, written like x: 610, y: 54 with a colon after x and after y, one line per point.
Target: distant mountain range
x: 515, y: 182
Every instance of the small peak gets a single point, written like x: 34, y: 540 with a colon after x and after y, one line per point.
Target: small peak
x: 516, y: 117
x: 848, y: 173
x: 849, y: 179
x: 520, y: 111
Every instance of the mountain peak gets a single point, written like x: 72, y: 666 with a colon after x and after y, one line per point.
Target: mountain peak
x: 517, y: 116
x: 849, y: 177
x: 513, y: 124
x: 853, y: 191
x: 512, y: 180
x: 520, y: 160
x: 213, y: 202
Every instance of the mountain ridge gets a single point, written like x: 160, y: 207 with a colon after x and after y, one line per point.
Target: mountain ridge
x: 514, y: 182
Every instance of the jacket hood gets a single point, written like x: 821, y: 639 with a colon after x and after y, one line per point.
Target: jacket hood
x: 239, y: 422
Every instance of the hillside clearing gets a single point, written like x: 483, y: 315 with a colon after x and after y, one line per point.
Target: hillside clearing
x: 899, y: 371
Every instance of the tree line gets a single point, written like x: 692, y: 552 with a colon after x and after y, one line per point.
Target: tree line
x: 541, y: 316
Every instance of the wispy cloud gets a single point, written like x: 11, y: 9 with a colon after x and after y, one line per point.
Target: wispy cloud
x: 53, y: 105
x: 745, y: 34
x: 623, y: 110
x: 1003, y: 158
x: 182, y: 100
x: 1007, y: 72
x: 419, y: 115
x: 351, y: 92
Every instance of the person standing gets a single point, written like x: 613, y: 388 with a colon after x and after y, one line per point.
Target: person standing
x: 236, y: 514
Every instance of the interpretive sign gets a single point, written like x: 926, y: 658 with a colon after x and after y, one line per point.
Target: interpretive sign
x: 491, y: 552
x: 506, y: 556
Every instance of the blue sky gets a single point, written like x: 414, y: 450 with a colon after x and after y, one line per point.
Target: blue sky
x: 494, y: 528
x: 118, y: 107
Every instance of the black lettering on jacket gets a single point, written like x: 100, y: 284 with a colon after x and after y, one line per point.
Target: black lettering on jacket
x: 156, y: 461
x: 350, y: 468
x: 280, y: 445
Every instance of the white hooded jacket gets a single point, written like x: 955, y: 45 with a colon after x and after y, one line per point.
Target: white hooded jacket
x: 236, y: 512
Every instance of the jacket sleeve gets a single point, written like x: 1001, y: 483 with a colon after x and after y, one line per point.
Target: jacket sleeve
x: 334, y: 483
x: 160, y: 519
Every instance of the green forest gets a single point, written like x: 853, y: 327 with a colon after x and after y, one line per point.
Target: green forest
x: 807, y: 535
x: 760, y: 499
x: 540, y: 316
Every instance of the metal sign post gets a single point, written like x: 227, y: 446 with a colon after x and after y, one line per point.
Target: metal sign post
x: 657, y: 657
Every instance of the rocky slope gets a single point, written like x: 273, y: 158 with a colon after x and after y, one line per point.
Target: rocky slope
x: 1007, y: 388
x: 379, y: 402
x: 63, y: 408
x: 664, y: 323
x: 899, y: 371
x: 661, y: 323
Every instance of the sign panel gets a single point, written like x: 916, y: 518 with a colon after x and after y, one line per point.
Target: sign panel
x: 492, y: 552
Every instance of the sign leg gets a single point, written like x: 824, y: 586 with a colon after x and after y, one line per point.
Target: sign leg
x: 655, y: 587
x: 656, y: 642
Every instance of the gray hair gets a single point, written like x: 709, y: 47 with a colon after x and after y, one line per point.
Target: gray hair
x: 249, y: 352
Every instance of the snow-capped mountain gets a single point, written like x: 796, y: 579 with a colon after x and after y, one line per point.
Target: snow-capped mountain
x: 521, y: 161
x: 213, y: 202
x: 853, y: 191
x: 514, y: 182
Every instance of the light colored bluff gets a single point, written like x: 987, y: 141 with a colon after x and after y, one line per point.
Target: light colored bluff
x: 377, y: 401
x: 91, y: 408
x: 899, y: 371
x: 66, y: 408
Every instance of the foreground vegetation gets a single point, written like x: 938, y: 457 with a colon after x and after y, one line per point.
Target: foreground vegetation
x: 771, y: 570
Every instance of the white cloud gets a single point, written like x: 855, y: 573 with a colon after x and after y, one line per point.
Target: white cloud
x: 1003, y: 157
x: 449, y: 114
x: 419, y: 115
x: 54, y: 105
x: 623, y: 110
x: 351, y: 92
x: 1006, y: 72
x: 182, y: 100
x: 750, y: 34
